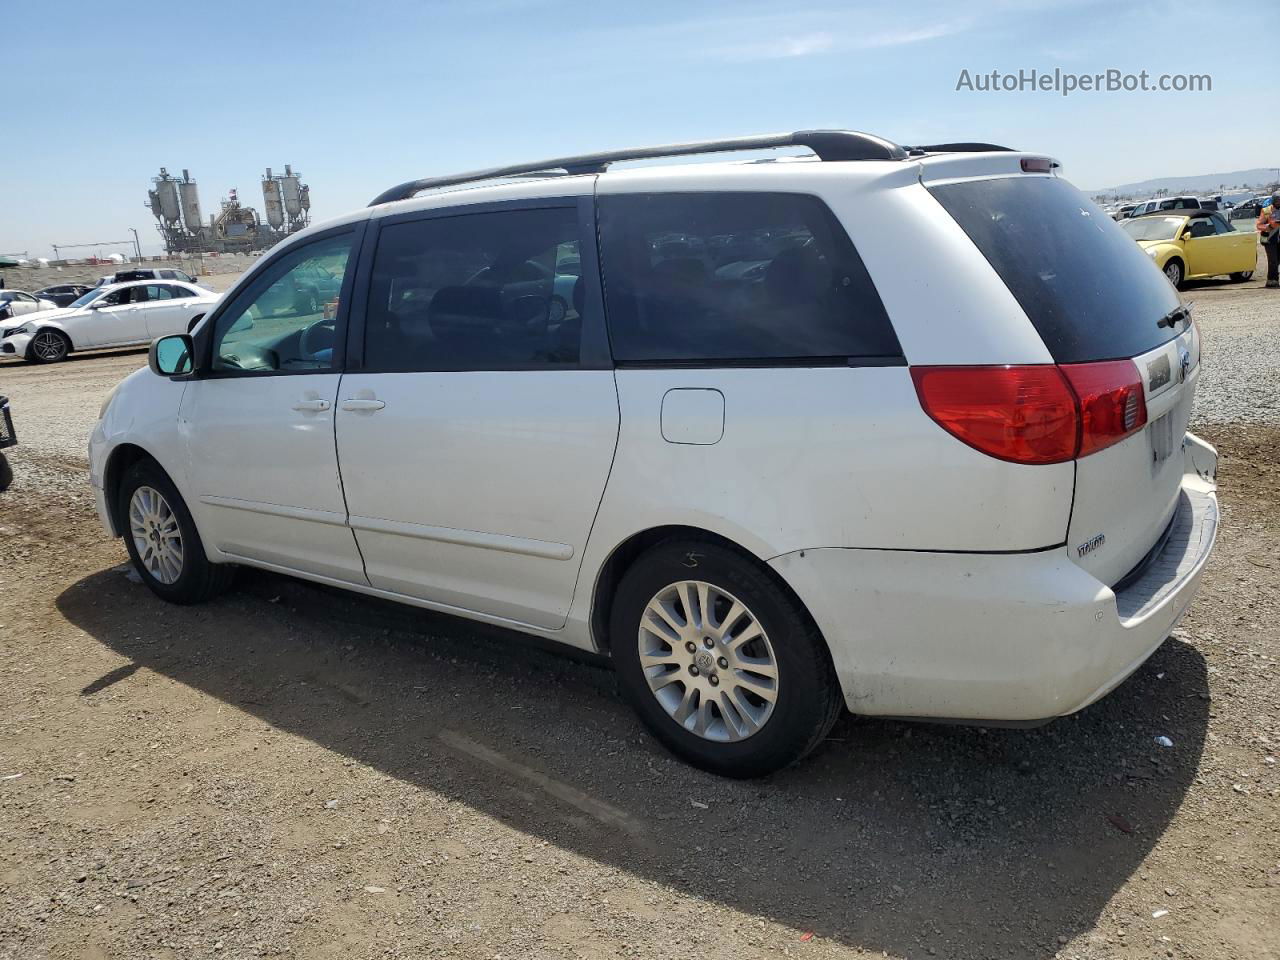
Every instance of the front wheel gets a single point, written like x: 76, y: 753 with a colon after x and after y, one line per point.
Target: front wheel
x: 1173, y: 270
x: 49, y: 346
x: 162, y: 539
x: 720, y: 661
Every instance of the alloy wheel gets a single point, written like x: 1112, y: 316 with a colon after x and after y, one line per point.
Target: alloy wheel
x: 156, y: 534
x: 708, y: 661
x: 1173, y: 270
x: 47, y: 345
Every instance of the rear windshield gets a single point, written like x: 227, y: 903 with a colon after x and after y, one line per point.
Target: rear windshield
x: 1090, y: 290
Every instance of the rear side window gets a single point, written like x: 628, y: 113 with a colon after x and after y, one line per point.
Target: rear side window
x: 1091, y: 292
x: 710, y: 278
x: 480, y: 291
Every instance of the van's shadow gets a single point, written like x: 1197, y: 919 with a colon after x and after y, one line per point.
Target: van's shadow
x: 894, y: 836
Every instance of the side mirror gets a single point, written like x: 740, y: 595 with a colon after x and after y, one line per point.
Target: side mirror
x: 1186, y: 234
x: 171, y: 356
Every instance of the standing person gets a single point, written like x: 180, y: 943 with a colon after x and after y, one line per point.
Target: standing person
x: 1269, y: 237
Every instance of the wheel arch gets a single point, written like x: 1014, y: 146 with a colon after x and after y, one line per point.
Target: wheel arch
x: 47, y: 325
x: 625, y: 554
x: 118, y: 463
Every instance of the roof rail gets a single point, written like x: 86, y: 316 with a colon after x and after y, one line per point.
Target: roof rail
x: 827, y: 144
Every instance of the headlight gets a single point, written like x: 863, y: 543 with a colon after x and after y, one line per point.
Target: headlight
x: 102, y: 410
x: 21, y: 331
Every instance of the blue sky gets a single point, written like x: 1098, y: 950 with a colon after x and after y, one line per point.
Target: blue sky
x: 358, y: 96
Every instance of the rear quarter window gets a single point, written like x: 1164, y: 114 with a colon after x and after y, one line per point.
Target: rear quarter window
x: 724, y: 278
x: 1089, y: 289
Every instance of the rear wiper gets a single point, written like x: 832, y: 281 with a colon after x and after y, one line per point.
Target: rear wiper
x: 1180, y: 312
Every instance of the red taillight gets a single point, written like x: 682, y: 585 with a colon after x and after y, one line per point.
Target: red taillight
x: 1112, y: 403
x: 1024, y: 414
x: 1035, y: 414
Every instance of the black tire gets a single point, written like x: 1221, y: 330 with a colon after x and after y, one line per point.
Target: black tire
x: 54, y: 337
x: 808, y: 694
x: 1175, y: 266
x: 1242, y: 276
x: 6, y: 473
x: 199, y: 580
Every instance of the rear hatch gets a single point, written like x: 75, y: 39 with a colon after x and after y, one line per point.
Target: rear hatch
x: 1107, y: 315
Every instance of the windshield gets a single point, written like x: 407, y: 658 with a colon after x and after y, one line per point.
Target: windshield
x: 89, y: 297
x: 1089, y: 290
x: 1152, y: 228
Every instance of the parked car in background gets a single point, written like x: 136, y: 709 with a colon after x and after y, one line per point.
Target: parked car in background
x: 1249, y: 209
x: 1195, y: 245
x: 765, y: 490
x: 63, y: 294
x: 118, y: 315
x: 1166, y: 203
x: 146, y: 273
x: 1124, y: 211
x: 18, y: 303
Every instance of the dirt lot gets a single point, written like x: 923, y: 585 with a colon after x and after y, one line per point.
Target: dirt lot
x: 294, y: 772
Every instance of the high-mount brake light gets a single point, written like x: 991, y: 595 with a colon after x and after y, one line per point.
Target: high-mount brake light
x: 1037, y: 165
x: 1036, y: 413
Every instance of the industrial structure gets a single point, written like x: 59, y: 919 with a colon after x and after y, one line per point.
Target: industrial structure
x: 235, y: 228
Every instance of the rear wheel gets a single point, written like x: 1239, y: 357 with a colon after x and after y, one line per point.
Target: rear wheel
x: 720, y: 662
x: 1242, y: 276
x: 1174, y: 271
x: 162, y: 539
x: 49, y: 346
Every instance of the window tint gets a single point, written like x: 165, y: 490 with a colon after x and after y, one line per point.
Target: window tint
x: 481, y: 291
x: 281, y: 322
x: 1091, y: 292
x: 724, y: 277
x: 1221, y: 225
x: 159, y: 291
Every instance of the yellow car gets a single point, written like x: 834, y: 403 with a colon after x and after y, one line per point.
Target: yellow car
x: 1194, y: 244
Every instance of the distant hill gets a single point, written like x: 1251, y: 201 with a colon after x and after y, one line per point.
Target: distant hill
x: 1204, y: 183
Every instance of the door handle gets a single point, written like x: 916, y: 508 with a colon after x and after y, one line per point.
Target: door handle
x: 312, y: 406
x: 362, y: 404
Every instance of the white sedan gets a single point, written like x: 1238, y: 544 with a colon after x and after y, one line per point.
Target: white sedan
x: 119, y: 315
x: 15, y: 303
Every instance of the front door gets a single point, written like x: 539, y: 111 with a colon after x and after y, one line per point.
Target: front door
x: 476, y: 438
x: 116, y: 318
x: 260, y: 426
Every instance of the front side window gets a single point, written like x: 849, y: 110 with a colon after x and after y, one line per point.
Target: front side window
x: 725, y: 277
x: 478, y: 291
x: 1202, y: 227
x: 281, y: 321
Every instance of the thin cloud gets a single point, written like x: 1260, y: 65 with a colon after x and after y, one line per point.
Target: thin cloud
x: 820, y: 42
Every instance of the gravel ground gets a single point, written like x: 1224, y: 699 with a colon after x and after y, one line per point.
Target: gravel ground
x: 291, y: 771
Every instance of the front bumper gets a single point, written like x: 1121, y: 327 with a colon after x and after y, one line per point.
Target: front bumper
x: 1000, y: 637
x: 15, y: 345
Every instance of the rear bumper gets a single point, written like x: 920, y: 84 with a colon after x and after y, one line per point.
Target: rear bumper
x: 1000, y: 637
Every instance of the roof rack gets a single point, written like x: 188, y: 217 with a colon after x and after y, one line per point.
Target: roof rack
x: 829, y: 145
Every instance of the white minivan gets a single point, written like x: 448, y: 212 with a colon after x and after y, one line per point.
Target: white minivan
x: 896, y: 430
